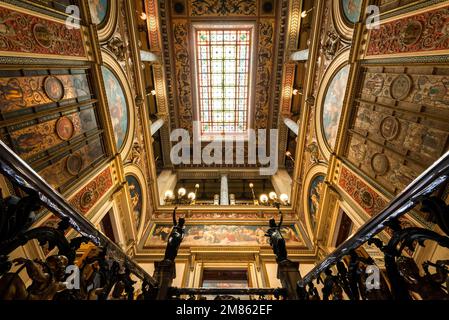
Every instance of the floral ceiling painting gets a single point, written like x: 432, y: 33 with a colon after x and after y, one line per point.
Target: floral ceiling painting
x: 118, y: 108
x: 333, y: 104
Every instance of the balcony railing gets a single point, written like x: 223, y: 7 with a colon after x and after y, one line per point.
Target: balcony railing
x: 110, y: 260
x: 349, y: 265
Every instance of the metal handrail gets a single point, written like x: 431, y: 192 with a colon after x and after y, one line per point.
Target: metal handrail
x: 21, y: 174
x: 422, y: 186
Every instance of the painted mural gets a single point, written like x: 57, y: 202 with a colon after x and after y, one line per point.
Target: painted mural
x: 226, y: 215
x: 351, y: 9
x: 135, y: 191
x: 222, y: 235
x: 333, y: 104
x: 98, y: 10
x: 118, y: 108
x: 314, y: 195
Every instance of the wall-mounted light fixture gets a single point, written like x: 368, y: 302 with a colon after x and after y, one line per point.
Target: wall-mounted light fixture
x: 306, y: 12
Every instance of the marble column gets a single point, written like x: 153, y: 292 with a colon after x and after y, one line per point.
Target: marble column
x: 156, y: 125
x: 292, y: 125
x: 224, y: 193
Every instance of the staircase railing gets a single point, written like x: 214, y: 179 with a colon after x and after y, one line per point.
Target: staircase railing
x: 419, y: 191
x: 24, y: 177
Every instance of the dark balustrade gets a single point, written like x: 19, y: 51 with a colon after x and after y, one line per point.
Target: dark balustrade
x: 105, y: 272
x: 401, y: 279
x: 111, y: 266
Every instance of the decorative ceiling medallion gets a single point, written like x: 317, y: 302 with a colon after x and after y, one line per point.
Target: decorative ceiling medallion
x: 359, y: 151
x: 400, y: 87
x: 389, y: 128
x: 367, y: 198
x: 54, y: 88
x: 375, y: 84
x: 411, y: 34
x: 65, y: 128
x: 86, y: 199
x: 380, y: 163
x: 42, y: 35
x: 74, y: 163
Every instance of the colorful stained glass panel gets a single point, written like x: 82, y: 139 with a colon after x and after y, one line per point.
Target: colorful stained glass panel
x: 223, y: 81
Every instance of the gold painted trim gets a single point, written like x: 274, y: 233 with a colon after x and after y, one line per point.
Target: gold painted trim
x: 310, y: 175
x: 138, y: 174
x: 337, y: 64
x: 112, y: 63
x: 106, y: 31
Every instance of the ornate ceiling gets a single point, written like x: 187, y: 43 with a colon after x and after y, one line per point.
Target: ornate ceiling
x: 170, y: 33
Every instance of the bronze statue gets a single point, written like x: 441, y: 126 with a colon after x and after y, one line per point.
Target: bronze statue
x: 175, y: 238
x: 426, y: 286
x: 277, y: 241
x: 48, y: 279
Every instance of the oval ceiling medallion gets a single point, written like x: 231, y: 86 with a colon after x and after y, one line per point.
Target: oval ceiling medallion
x: 389, y: 128
x: 380, y: 163
x: 400, y: 87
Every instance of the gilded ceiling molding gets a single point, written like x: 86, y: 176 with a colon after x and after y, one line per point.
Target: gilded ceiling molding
x: 157, y: 28
x: 106, y: 30
x: 337, y: 64
x: 411, y: 34
x: 342, y: 25
x: 31, y: 34
x: 112, y: 63
x: 289, y: 27
x: 311, y: 175
x: 136, y: 172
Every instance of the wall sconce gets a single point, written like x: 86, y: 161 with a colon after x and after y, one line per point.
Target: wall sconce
x: 150, y: 91
x: 143, y: 16
x: 306, y: 12
x: 289, y: 155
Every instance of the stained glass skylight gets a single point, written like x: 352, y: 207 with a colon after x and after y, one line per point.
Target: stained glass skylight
x: 223, y: 64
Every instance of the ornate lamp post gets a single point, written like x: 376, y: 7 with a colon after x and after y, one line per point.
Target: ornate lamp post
x: 180, y: 197
x: 273, y: 200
